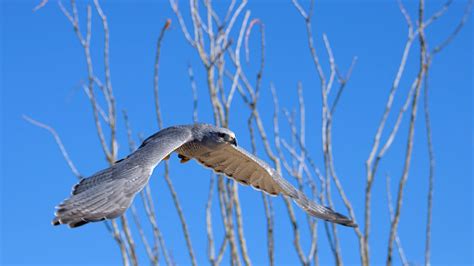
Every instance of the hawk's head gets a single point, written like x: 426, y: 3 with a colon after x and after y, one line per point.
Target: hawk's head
x: 215, y: 135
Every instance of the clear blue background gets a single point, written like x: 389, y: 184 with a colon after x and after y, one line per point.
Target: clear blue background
x: 42, y: 69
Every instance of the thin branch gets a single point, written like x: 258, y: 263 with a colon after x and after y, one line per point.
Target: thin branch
x: 220, y: 255
x: 184, y: 29
x: 326, y: 114
x: 439, y: 13
x: 237, y: 56
x: 40, y: 5
x: 269, y: 217
x: 219, y: 55
x: 85, y: 42
x: 300, y: 9
x: 431, y: 174
x: 153, y: 258
x: 370, y: 167
x: 234, y: 18
x: 291, y: 214
x: 195, y: 93
x: 252, y: 23
x: 174, y: 194
x: 240, y: 225
x: 150, y: 211
x: 223, y: 204
x: 309, y: 32
x: 156, y: 71
x: 229, y: 204
x: 116, y: 234
x: 129, y: 238
x: 131, y: 143
x: 332, y: 64
x: 108, y: 93
x: 406, y: 15
x: 66, y: 13
x: 210, y: 237
x: 396, y: 126
x: 343, y: 82
x: 58, y: 142
x: 411, y: 131
x: 179, y: 209
x: 99, y: 108
x: 398, y: 242
x: 452, y: 36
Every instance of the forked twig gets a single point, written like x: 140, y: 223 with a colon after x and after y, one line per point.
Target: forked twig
x: 174, y: 194
x: 411, y: 131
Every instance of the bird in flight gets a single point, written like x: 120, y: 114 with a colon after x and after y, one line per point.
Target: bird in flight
x: 108, y: 193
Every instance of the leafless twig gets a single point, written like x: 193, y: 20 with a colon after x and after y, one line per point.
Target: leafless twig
x: 156, y: 70
x: 370, y: 165
x: 58, y: 142
x: 401, y: 252
x: 452, y: 36
x: 431, y: 173
x: 195, y: 93
x: 40, y: 5
x: 174, y: 194
x: 411, y: 131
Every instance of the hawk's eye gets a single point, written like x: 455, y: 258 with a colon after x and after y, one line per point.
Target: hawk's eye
x: 221, y: 135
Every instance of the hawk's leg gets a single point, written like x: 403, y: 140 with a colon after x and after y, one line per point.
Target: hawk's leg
x: 183, y: 158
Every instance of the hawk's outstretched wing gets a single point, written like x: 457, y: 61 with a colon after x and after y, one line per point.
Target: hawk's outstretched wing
x: 108, y: 193
x: 247, y: 169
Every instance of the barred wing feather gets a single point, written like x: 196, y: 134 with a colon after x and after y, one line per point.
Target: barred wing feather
x: 108, y: 193
x: 247, y: 169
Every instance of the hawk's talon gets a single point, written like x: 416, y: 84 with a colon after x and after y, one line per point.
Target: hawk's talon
x: 183, y: 158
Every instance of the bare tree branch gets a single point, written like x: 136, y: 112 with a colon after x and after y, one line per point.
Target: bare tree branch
x: 174, y: 194
x: 371, y: 167
x: 40, y: 5
x: 439, y: 13
x: 401, y: 252
x: 116, y: 234
x: 58, y: 142
x: 450, y: 38
x: 150, y: 210
x: 431, y: 173
x: 291, y: 214
x: 209, y: 231
x: 411, y: 131
x: 153, y: 258
x: 156, y: 69
x: 269, y: 217
x: 108, y: 93
x: 343, y: 81
x: 129, y: 238
x: 195, y: 93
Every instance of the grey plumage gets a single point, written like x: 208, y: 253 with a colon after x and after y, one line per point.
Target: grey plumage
x: 108, y: 193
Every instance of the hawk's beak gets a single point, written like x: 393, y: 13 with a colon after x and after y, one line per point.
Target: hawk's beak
x: 233, y: 141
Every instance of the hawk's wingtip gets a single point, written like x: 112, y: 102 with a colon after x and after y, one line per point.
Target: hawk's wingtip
x: 55, y: 221
x: 350, y: 224
x: 344, y: 220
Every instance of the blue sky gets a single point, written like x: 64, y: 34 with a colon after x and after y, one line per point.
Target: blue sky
x: 42, y: 67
